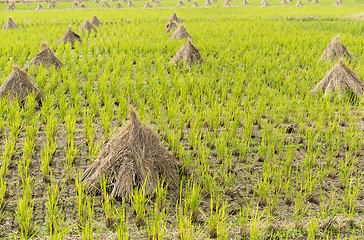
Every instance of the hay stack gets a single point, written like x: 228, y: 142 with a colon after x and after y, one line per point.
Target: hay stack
x: 87, y: 26
x: 180, y: 3
x: 207, y: 3
x: 18, y: 85
x: 130, y: 4
x: 147, y: 5
x: 336, y: 3
x: 284, y: 2
x: 214, y: 1
x: 105, y: 4
x: 188, y: 0
x: 171, y: 25
x: 124, y: 1
x: 157, y: 3
x: 195, y: 4
x: 75, y: 4
x: 245, y: 2
x: 118, y: 5
x: 40, y: 7
x: 96, y: 22
x: 70, y: 37
x: 83, y: 6
x: 315, y: 1
x: 299, y: 3
x: 133, y: 157
x: 10, y: 24
x: 51, y: 5
x: 45, y: 57
x: 175, y: 18
x: 341, y: 79
x: 227, y: 4
x: 181, y: 33
x: 266, y: 4
x: 188, y: 54
x: 335, y: 49
x: 96, y: 1
x: 11, y: 6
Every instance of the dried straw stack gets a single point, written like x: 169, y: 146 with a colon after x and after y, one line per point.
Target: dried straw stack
x: 189, y: 54
x: 335, y: 49
x: 133, y: 157
x: 340, y: 79
x: 180, y: 33
x: 18, y: 85
x: 45, y: 57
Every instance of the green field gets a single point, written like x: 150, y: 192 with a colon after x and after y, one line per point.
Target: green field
x: 261, y: 156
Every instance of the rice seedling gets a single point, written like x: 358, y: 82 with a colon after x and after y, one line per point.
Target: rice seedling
x: 107, y: 204
x: 24, y: 211
x: 121, y: 225
x: 57, y: 227
x: 193, y: 199
x: 139, y: 201
x: 156, y: 223
x: 256, y: 226
x: 216, y: 221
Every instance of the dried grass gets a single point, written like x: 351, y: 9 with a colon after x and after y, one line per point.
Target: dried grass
x: 10, y: 24
x: 87, y: 26
x: 133, y: 156
x: 189, y: 54
x: 52, y: 5
x: 157, y: 3
x: 207, y: 3
x: 180, y: 33
x: 299, y: 3
x: 171, y: 25
x: 180, y: 3
x: 95, y: 21
x: 105, y: 4
x: 18, y: 85
x: 175, y: 18
x: 341, y: 79
x: 195, y: 4
x: 147, y: 5
x: 336, y: 3
x: 70, y: 37
x: 130, y: 4
x: 11, y: 6
x: 45, y: 57
x: 335, y: 49
x: 40, y: 7
x: 118, y: 5
x: 227, y: 4
x: 245, y: 2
